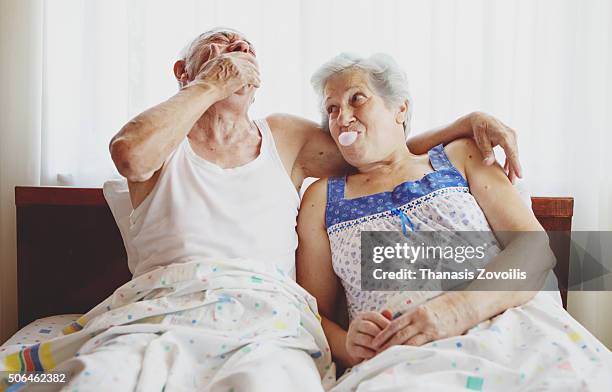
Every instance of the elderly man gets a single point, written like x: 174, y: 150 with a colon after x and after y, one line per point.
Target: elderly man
x: 231, y: 195
x: 213, y: 305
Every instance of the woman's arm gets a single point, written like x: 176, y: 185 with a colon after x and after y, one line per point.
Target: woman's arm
x: 316, y: 274
x: 515, y: 226
x: 314, y: 266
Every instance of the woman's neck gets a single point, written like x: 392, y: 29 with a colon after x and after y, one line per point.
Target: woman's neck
x: 390, y: 163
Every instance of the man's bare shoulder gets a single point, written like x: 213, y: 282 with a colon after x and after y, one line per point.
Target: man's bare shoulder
x: 290, y: 134
x: 316, y: 154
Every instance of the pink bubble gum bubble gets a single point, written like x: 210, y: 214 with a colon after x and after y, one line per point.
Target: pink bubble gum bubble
x: 347, y: 138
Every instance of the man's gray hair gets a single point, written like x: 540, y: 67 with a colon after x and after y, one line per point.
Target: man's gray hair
x: 386, y: 78
x: 189, y: 50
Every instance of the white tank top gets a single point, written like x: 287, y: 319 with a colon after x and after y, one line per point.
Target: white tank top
x: 197, y: 211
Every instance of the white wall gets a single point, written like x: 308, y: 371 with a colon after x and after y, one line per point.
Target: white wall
x: 20, y: 116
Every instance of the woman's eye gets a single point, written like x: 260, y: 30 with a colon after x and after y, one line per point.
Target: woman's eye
x: 358, y: 98
x: 331, y: 109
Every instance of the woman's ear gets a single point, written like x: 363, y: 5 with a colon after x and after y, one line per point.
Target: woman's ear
x: 180, y: 73
x: 402, y: 112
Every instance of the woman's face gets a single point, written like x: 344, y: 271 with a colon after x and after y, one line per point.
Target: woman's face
x: 364, y: 127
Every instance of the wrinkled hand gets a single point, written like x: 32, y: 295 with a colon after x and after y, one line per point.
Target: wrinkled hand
x: 490, y: 132
x: 361, y: 333
x: 229, y: 72
x: 444, y: 316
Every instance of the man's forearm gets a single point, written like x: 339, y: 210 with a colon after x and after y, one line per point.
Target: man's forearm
x: 144, y: 143
x: 445, y: 134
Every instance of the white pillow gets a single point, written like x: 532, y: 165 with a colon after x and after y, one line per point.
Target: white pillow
x: 117, y: 196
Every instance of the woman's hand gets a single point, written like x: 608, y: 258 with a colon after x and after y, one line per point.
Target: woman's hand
x: 444, y: 316
x: 361, y: 333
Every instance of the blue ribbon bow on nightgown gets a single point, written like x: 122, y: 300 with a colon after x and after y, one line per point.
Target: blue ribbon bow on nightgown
x: 405, y: 220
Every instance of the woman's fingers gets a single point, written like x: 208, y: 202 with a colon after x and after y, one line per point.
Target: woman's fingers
x: 417, y: 340
x: 362, y: 352
x: 369, y: 328
x: 376, y: 318
x: 401, y: 337
x: 363, y: 340
x: 358, y: 345
x: 391, y: 329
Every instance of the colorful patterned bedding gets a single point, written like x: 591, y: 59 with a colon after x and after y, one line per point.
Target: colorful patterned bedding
x: 40, y: 330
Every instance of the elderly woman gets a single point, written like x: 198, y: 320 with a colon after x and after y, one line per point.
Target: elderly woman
x: 367, y: 109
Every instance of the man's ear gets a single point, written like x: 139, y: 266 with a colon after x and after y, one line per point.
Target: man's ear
x: 180, y: 73
x: 402, y: 113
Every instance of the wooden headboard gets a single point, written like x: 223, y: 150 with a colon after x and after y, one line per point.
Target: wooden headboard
x: 70, y: 255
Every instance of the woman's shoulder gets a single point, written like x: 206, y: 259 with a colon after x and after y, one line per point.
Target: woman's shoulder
x: 460, y: 151
x: 461, y: 147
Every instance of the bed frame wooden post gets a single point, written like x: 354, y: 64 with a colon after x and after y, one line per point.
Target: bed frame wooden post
x: 555, y: 215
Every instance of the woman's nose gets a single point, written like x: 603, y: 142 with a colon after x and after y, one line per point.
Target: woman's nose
x: 240, y: 46
x: 345, y: 117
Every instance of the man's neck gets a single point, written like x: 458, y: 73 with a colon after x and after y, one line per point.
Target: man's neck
x: 223, y: 127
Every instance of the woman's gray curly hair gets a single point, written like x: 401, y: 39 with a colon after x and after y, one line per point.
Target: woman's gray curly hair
x: 386, y: 78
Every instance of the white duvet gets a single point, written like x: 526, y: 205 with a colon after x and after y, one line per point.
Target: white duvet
x: 186, y: 327
x: 534, y: 347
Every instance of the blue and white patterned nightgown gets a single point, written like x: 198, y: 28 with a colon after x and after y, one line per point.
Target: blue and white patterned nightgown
x: 536, y: 346
x: 440, y: 201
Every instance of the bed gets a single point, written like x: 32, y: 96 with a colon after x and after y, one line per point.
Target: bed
x: 59, y: 227
x: 200, y: 331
